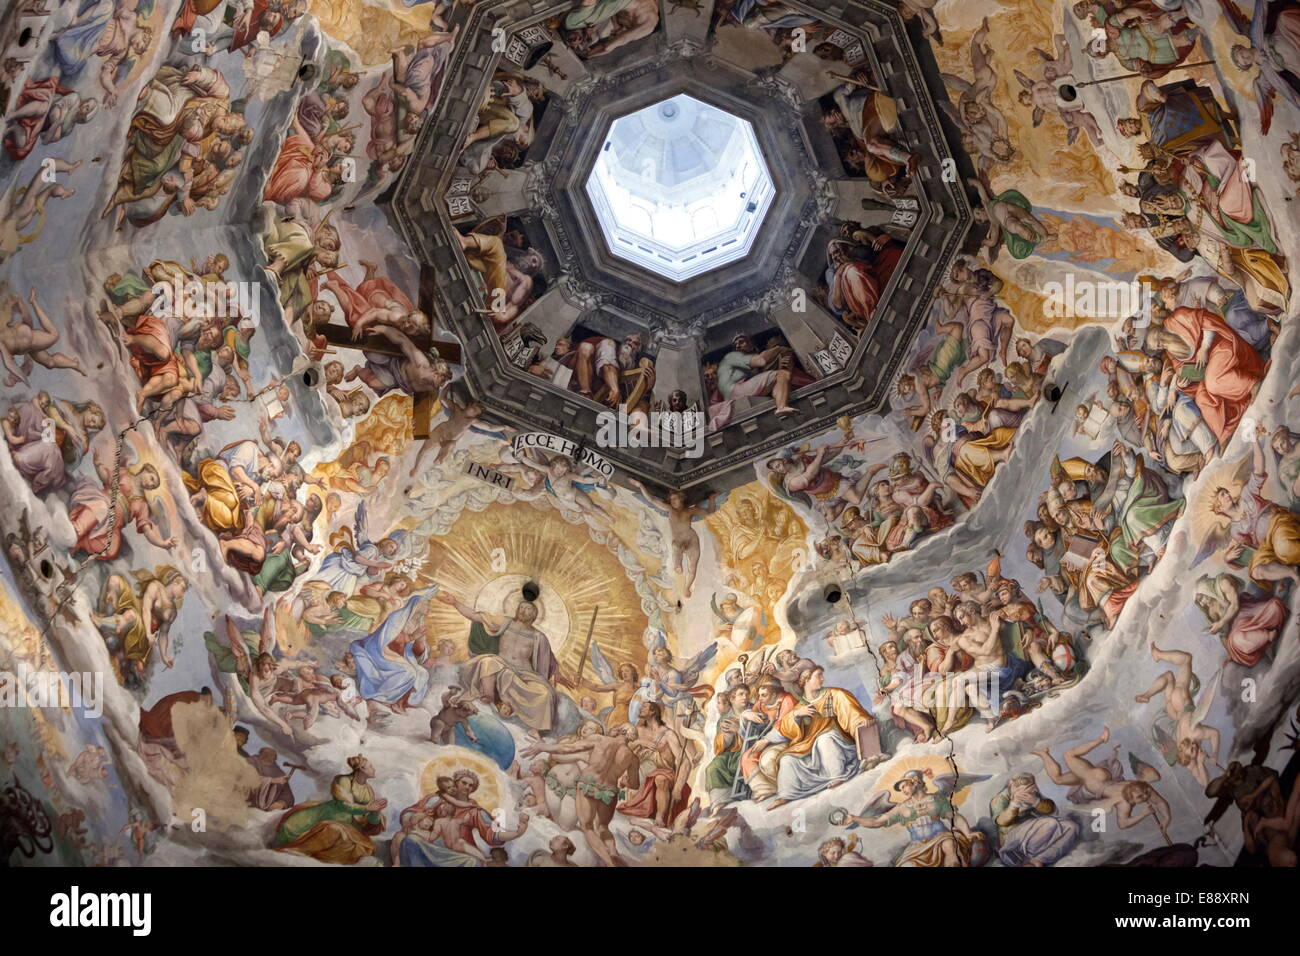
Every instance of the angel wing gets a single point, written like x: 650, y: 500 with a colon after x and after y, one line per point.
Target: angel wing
x: 1141, y: 769
x: 243, y: 666
x: 600, y: 664
x: 717, y: 611
x: 1051, y: 347
x: 950, y: 783
x: 1206, y: 700
x: 342, y: 538
x: 958, y: 84
x: 642, y: 694
x: 1265, y: 93
x: 360, y: 524
x: 266, y: 635
x: 691, y: 672
x: 1163, y: 738
x: 1236, y: 18
x: 1025, y: 81
x: 1216, y: 539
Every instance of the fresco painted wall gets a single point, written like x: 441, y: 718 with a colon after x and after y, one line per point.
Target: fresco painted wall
x: 989, y: 627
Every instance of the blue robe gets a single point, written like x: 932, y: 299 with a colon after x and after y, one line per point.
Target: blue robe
x: 383, y: 674
x: 74, y: 45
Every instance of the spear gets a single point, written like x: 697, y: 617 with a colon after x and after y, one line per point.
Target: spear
x: 591, y: 628
x: 1134, y: 76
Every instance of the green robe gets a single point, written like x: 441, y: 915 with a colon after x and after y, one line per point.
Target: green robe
x: 348, y: 806
x: 225, y: 658
x: 1146, y: 507
x: 596, y: 14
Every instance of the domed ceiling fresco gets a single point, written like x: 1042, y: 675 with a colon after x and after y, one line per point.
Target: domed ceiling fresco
x: 697, y: 433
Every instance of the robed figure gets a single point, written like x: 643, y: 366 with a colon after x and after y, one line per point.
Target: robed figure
x: 512, y: 664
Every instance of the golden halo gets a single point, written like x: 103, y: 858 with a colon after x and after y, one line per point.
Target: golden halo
x: 488, y: 794
x: 937, y: 766
x: 501, y: 596
x: 1232, y: 475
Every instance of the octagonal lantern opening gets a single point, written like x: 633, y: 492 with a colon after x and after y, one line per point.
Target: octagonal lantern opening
x: 680, y: 188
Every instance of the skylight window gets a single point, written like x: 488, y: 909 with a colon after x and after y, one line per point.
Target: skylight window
x: 680, y: 188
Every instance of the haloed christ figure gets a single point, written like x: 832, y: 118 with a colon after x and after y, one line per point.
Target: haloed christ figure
x: 512, y: 665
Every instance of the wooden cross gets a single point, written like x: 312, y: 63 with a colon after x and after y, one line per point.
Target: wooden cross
x: 340, y: 337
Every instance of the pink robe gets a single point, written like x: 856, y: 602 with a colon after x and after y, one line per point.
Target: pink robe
x: 1256, y: 626
x: 858, y: 285
x: 295, y: 173
x: 44, y: 91
x: 373, y: 293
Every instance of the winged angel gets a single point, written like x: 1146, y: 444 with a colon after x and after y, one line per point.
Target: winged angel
x: 940, y: 836
x: 983, y: 126
x: 1055, y: 92
x: 357, y: 558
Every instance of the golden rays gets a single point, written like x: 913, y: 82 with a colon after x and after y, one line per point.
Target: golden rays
x: 490, y: 555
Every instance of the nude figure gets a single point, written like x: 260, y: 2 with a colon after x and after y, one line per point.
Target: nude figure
x: 563, y: 484
x: 609, y: 764
x: 456, y: 711
x: 983, y: 642
x: 1132, y: 800
x: 1197, y: 743
x: 1042, y: 94
x: 685, y: 540
x: 635, y: 21
x: 444, y: 435
x: 307, y: 697
x: 392, y: 313
x: 18, y: 338
x: 23, y: 204
x: 984, y: 127
x: 419, y: 372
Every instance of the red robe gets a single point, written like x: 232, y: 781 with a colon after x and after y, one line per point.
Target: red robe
x: 295, y: 173
x: 858, y: 285
x: 46, y: 91
x: 1232, y: 370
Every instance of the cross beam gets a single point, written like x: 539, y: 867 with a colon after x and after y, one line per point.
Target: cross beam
x: 340, y: 336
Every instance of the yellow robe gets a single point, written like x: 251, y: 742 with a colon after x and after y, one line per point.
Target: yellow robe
x: 975, y: 458
x: 837, y: 710
x: 221, y: 510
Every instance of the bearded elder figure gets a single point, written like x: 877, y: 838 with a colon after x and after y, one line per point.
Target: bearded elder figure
x: 611, y: 372
x: 512, y: 666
